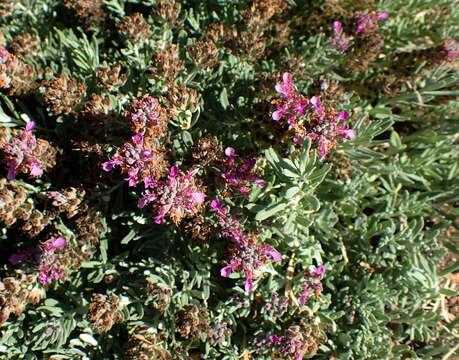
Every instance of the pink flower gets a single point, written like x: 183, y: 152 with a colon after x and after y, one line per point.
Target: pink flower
x: 177, y: 197
x: 383, y: 15
x: 135, y: 159
x: 20, y: 154
x: 286, y: 87
x: 238, y: 174
x: 340, y: 41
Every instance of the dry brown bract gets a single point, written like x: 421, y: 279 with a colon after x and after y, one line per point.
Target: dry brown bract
x: 203, y: 53
x: 161, y: 295
x: 167, y: 10
x: 15, y: 75
x: 103, y: 312
x: 16, y: 294
x: 109, y: 78
x: 24, y: 45
x: 167, y: 64
x: 191, y: 323
x: 90, y: 12
x: 146, y: 346
x: 135, y: 28
x: 63, y: 94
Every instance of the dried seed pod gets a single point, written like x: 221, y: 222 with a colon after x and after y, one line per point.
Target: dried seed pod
x: 63, y: 94
x: 24, y: 45
x: 89, y: 12
x: 135, y: 28
x: 103, y: 312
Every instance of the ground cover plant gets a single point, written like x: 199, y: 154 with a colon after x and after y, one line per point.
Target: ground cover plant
x: 229, y: 179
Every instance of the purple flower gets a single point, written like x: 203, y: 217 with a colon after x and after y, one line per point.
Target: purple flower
x: 340, y: 41
x: 239, y: 173
x: 177, y: 197
x: 20, y: 154
x: 135, y: 159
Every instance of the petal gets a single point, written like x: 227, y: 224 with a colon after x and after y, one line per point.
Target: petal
x: 230, y: 152
x: 226, y: 271
x: 173, y: 171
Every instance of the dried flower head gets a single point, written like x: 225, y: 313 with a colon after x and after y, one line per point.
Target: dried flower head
x: 161, y: 295
x: 16, y: 293
x: 109, y: 78
x: 15, y: 75
x: 147, y: 117
x: 167, y: 64
x: 176, y: 197
x: 89, y: 12
x: 63, y: 94
x: 168, y: 11
x: 146, y: 345
x: 24, y: 45
x: 135, y: 28
x: 207, y: 152
x: 204, y: 54
x: 181, y: 102
x: 103, y: 312
x: 192, y: 322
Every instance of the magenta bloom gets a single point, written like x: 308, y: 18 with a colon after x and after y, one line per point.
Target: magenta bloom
x: 311, y: 119
x: 340, y: 41
x: 43, y: 259
x: 176, y: 197
x: 312, y: 284
x: 368, y: 22
x: 19, y: 154
x: 239, y: 173
x: 248, y: 256
x: 134, y: 158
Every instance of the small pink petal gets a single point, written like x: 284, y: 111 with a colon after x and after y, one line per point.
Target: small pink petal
x: 349, y: 134
x: 58, y: 243
x: 383, y: 16
x: 226, y: 271
x: 173, y: 171
x: 199, y: 197
x: 30, y: 126
x: 230, y: 152
x: 337, y: 26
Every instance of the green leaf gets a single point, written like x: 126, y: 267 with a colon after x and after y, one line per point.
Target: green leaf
x: 224, y: 99
x: 270, y: 211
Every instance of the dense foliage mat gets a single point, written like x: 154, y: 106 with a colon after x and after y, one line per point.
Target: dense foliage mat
x: 229, y: 179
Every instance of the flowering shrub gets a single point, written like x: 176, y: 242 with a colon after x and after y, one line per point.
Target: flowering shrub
x: 228, y: 179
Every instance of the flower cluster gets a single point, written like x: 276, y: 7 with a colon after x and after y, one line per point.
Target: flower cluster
x: 138, y: 159
x: 238, y: 174
x: 295, y: 343
x: 340, y: 41
x: 21, y: 154
x: 147, y: 117
x: 365, y: 23
x: 43, y: 259
x: 104, y: 312
x: 176, y: 197
x: 308, y: 118
x: 312, y: 284
x: 248, y: 255
x: 143, y: 156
